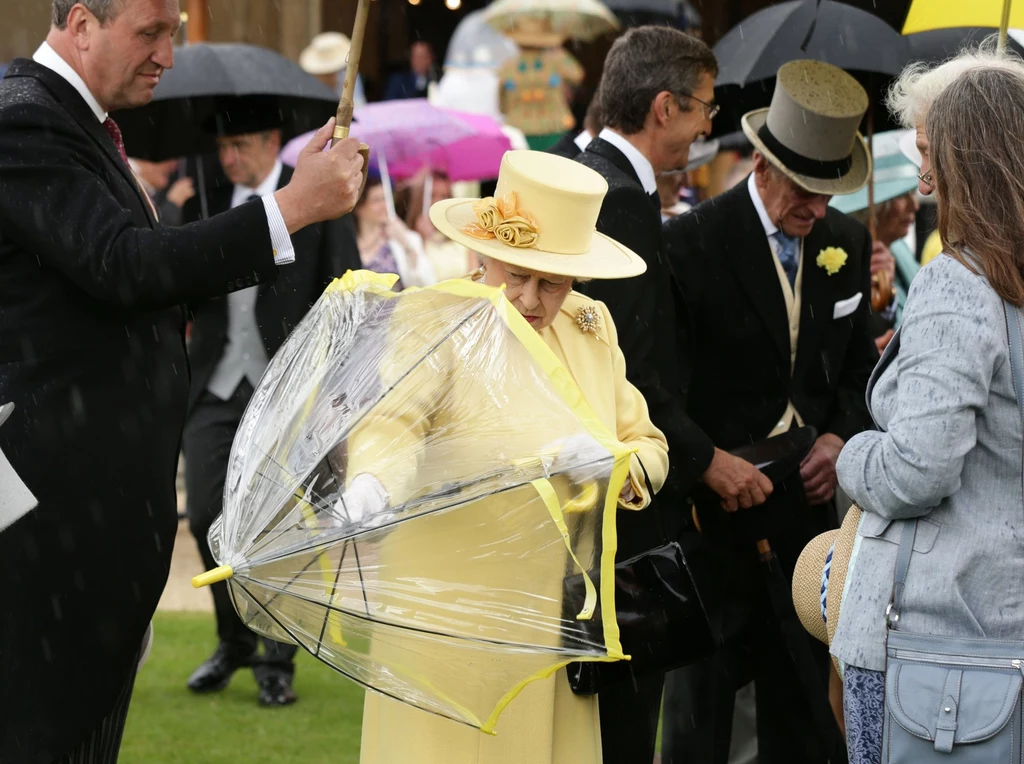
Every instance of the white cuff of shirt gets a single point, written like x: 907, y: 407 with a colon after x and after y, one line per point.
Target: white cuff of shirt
x: 284, y: 253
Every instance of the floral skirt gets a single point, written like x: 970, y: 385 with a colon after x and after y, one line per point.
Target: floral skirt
x: 863, y: 706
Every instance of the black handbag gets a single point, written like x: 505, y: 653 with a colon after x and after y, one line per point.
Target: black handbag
x: 665, y: 598
x: 661, y: 617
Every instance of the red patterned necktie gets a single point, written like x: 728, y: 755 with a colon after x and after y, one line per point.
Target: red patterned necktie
x: 115, y: 135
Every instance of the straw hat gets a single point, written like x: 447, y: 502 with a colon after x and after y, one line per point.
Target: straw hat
x: 542, y: 217
x: 893, y: 175
x: 531, y: 32
x: 808, y: 577
x: 810, y: 130
x: 326, y: 54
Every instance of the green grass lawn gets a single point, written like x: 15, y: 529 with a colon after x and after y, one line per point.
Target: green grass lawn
x: 167, y: 724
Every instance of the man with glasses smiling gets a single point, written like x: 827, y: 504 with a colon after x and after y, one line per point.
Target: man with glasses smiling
x: 656, y: 94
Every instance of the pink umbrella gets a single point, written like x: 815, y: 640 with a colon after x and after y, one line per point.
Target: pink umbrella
x: 413, y: 134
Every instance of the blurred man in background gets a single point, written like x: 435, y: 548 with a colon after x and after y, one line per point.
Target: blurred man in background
x: 233, y: 339
x: 414, y: 82
x: 167, y: 197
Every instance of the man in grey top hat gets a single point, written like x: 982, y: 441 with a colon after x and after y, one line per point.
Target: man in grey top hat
x: 777, y: 288
x: 233, y: 339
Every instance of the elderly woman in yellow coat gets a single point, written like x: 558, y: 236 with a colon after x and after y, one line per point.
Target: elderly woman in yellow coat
x: 535, y: 238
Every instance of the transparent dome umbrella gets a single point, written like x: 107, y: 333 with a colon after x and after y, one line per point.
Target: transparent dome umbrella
x: 475, y: 43
x: 413, y: 483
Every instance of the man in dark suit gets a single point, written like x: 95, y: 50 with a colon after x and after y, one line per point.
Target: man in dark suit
x: 656, y: 94
x: 232, y: 340
x: 777, y: 288
x: 414, y: 82
x: 92, y: 353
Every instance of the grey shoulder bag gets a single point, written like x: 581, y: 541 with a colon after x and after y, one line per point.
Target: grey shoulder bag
x: 951, y: 699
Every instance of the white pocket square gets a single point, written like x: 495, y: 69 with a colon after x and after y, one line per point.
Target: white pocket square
x: 844, y: 308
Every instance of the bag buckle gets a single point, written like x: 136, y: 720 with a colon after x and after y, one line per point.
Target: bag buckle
x: 891, y: 617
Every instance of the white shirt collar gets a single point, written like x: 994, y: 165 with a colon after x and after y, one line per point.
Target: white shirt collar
x: 583, y: 140
x: 770, y: 229
x: 48, y: 57
x: 266, y: 188
x: 641, y: 165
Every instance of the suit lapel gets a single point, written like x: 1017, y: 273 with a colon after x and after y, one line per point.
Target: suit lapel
x: 79, y: 110
x: 607, y: 151
x: 751, y: 261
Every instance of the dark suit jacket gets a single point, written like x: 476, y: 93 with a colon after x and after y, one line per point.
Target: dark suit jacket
x: 323, y: 252
x: 92, y: 352
x: 566, y: 145
x: 644, y: 312
x: 739, y: 329
x: 403, y: 85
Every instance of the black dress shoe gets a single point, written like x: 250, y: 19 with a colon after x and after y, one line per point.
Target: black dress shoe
x: 276, y: 690
x: 215, y: 672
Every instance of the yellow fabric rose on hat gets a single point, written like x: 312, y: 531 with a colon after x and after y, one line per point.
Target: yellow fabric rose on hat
x: 831, y: 259
x: 487, y: 213
x: 517, y: 231
x: 499, y: 219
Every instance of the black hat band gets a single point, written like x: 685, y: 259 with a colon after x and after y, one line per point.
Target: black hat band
x: 812, y: 168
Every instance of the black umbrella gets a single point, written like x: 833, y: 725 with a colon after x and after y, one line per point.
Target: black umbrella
x: 203, y: 75
x: 822, y: 30
x: 681, y: 13
x: 937, y: 45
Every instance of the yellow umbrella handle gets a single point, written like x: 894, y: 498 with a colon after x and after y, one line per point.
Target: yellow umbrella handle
x: 223, y: 573
x: 1004, y: 24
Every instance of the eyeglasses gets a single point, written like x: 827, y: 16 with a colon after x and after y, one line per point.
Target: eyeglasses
x: 710, y: 109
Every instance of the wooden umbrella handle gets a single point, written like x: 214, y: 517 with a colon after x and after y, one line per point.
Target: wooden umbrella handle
x: 355, y: 53
x: 346, y: 106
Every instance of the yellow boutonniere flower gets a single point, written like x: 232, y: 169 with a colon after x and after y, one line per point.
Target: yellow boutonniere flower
x: 831, y: 259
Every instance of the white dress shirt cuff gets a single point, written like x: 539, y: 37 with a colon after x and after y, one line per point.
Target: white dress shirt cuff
x: 284, y: 253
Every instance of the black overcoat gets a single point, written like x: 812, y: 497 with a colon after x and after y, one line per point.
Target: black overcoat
x: 92, y: 352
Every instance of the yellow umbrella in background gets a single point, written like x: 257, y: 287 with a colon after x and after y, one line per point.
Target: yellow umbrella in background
x: 925, y: 15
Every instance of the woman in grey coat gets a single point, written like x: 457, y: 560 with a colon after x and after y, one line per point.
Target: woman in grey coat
x: 948, y: 447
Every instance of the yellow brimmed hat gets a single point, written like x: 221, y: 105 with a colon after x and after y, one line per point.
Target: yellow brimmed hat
x: 542, y: 217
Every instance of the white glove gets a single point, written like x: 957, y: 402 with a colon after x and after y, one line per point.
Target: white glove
x: 363, y: 503
x: 579, y: 456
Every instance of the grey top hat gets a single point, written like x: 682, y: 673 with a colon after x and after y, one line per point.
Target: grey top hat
x: 810, y: 130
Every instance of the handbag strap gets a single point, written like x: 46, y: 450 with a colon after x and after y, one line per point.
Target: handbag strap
x: 1013, y: 333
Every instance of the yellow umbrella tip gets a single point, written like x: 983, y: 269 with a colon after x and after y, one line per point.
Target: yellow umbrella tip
x: 223, y: 573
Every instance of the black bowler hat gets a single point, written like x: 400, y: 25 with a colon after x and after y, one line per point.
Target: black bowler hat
x: 243, y: 115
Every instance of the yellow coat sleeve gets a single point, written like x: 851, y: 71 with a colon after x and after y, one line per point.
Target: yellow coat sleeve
x: 634, y: 428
